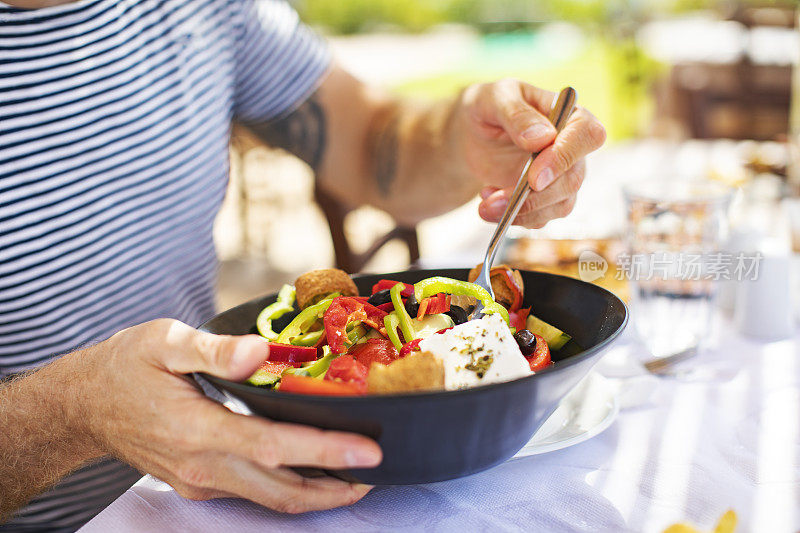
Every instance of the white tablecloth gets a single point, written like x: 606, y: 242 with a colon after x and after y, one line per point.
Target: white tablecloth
x: 680, y: 450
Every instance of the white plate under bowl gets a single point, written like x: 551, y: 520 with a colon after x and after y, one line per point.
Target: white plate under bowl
x: 586, y: 411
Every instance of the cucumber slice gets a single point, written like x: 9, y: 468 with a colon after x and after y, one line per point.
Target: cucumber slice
x: 262, y: 378
x: 554, y: 337
x: 430, y: 324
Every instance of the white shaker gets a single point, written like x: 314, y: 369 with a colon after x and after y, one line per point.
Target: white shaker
x: 764, y: 304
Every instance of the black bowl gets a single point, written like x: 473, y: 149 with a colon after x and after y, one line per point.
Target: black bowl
x: 429, y: 437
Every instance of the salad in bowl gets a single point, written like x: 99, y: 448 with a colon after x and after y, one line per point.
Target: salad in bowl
x: 401, y: 337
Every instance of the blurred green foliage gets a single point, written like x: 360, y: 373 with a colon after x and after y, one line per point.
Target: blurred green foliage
x: 611, y: 73
x: 354, y: 16
x: 612, y: 78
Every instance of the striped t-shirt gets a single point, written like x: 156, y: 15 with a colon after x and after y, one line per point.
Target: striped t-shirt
x: 114, y: 125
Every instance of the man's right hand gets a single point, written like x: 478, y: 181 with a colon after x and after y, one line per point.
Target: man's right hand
x: 137, y: 404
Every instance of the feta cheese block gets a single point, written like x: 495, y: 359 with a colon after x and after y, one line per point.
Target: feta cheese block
x: 477, y: 352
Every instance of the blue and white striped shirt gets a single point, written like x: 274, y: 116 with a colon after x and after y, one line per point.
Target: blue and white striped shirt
x: 114, y: 125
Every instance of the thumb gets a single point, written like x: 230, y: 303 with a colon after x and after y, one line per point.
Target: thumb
x: 233, y: 357
x: 226, y: 356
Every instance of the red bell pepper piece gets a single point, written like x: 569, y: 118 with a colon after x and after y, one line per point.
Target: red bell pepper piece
x: 374, y: 351
x: 438, y: 303
x: 540, y: 358
x: 387, y: 308
x: 346, y: 369
x: 412, y: 346
x: 343, y: 311
x: 517, y: 319
x: 374, y: 316
x: 512, y: 284
x: 308, y: 385
x: 384, y: 284
x: 289, y: 353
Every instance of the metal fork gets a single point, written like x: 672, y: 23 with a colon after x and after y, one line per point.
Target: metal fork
x: 559, y: 113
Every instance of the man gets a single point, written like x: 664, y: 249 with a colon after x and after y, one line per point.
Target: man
x: 114, y: 123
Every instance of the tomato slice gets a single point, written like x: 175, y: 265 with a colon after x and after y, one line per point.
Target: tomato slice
x: 540, y: 358
x: 308, y: 385
x: 374, y: 351
x: 276, y: 368
x: 345, y: 369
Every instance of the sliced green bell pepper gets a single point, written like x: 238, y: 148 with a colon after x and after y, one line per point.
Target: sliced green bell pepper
x: 283, y: 305
x: 391, y: 322
x: 317, y: 368
x: 406, y: 326
x: 354, y: 333
x: 308, y: 339
x: 305, y: 319
x: 430, y: 286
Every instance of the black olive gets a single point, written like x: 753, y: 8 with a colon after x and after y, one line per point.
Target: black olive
x: 412, y: 305
x: 526, y: 342
x: 380, y: 297
x: 458, y: 314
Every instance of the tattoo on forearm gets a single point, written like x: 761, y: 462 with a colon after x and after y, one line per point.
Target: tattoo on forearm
x: 301, y: 132
x: 384, y: 153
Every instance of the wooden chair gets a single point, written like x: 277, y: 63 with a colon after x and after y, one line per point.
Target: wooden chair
x: 335, y: 213
x: 346, y: 259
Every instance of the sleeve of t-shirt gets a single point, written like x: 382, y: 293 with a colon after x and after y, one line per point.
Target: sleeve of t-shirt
x: 279, y: 61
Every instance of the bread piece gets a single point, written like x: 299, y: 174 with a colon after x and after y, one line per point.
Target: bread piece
x: 313, y: 286
x: 419, y: 371
x: 502, y: 292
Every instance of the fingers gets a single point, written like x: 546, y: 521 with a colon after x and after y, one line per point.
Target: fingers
x: 274, y: 444
x: 279, y: 489
x: 583, y: 134
x: 230, y: 454
x: 495, y: 201
x: 504, y: 104
x: 184, y: 349
x: 538, y: 218
x: 288, y: 492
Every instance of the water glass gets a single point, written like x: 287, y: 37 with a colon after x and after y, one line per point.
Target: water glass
x: 675, y: 233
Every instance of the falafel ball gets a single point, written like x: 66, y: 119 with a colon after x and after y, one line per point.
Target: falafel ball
x: 313, y: 286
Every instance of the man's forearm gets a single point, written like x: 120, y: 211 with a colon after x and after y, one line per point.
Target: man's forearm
x: 367, y: 148
x: 41, y: 440
x: 411, y: 158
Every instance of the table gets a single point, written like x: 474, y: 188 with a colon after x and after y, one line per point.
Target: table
x: 680, y: 450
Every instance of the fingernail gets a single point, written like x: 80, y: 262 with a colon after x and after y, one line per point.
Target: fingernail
x: 497, y: 207
x: 544, y: 179
x: 537, y: 131
x: 357, y: 457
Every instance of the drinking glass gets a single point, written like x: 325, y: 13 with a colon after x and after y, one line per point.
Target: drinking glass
x: 675, y: 232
